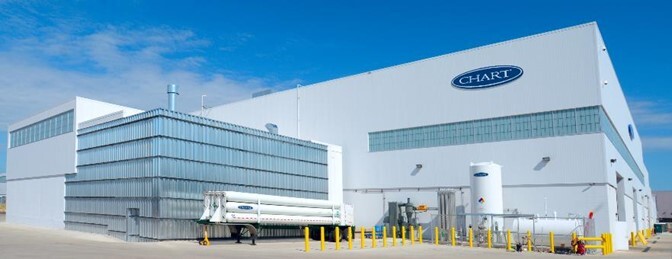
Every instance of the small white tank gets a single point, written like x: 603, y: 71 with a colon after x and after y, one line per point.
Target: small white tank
x: 545, y: 225
x: 486, y: 188
x: 486, y: 191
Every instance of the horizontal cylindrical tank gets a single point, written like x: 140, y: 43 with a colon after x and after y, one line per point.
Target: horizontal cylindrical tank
x: 544, y: 226
x: 279, y: 210
x: 279, y: 219
x: 275, y: 200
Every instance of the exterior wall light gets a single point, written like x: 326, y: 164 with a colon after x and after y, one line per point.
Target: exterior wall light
x: 546, y: 159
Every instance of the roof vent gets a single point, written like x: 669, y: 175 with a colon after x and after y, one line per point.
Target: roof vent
x: 172, y: 92
x: 272, y: 128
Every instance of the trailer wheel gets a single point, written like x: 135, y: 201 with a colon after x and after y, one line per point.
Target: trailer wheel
x: 330, y: 235
x: 315, y: 233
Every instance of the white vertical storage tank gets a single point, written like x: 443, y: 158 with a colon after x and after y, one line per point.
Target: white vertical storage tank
x: 486, y: 192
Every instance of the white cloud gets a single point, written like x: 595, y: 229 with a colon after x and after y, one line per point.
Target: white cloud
x: 657, y: 143
x: 126, y: 66
x: 652, y: 113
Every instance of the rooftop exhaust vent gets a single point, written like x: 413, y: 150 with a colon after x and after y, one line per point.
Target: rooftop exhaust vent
x: 272, y: 128
x: 172, y: 93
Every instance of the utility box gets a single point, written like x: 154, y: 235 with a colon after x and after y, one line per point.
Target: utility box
x: 660, y: 228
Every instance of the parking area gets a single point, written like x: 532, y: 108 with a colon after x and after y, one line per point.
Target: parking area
x: 17, y: 241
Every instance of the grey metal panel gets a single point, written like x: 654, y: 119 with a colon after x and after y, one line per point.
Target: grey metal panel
x: 161, y: 162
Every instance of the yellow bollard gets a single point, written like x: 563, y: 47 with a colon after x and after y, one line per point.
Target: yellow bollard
x: 420, y: 234
x: 551, y: 236
x: 373, y: 237
x: 610, y: 238
x: 394, y: 235
x: 508, y: 240
x: 633, y: 240
x: 338, y: 238
x: 349, y: 238
x: 322, y: 239
x: 489, y: 238
x: 529, y: 241
x: 403, y: 235
x: 604, y: 244
x: 306, y: 232
x: 641, y: 238
x: 471, y: 237
x: 452, y: 236
x: 412, y: 235
x: 384, y: 236
x: 206, y: 241
x: 573, y: 238
x: 436, y: 236
x: 361, y: 236
x: 610, y: 249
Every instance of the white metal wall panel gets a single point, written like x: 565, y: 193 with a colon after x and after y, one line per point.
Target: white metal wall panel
x: 37, y: 202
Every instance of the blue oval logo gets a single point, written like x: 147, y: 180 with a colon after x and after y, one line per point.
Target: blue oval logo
x: 245, y: 207
x: 481, y: 174
x: 487, y: 77
x: 631, y: 131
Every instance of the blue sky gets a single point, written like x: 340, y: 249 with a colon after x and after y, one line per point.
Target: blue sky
x: 125, y: 52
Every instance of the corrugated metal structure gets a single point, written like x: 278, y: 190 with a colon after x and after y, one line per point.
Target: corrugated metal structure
x: 141, y: 178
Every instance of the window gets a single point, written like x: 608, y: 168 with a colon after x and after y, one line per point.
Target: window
x: 44, y: 129
x: 567, y: 122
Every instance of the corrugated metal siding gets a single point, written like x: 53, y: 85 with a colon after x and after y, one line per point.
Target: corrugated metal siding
x: 161, y: 162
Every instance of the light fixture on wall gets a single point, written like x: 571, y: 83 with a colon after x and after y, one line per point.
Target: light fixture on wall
x: 418, y: 166
x: 546, y: 159
x: 613, y: 160
x: 629, y: 179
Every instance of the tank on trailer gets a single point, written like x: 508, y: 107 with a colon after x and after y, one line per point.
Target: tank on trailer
x: 251, y: 211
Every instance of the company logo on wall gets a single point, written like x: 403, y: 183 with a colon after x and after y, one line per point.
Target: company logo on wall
x: 487, y: 77
x: 245, y: 207
x: 631, y: 131
x: 481, y: 174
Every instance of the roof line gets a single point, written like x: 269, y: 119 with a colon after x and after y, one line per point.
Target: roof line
x: 593, y: 23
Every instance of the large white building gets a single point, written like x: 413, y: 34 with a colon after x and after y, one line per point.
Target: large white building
x: 548, y: 108
x: 560, y: 127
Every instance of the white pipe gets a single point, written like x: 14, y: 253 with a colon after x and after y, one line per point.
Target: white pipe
x: 278, y: 219
x: 274, y: 200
